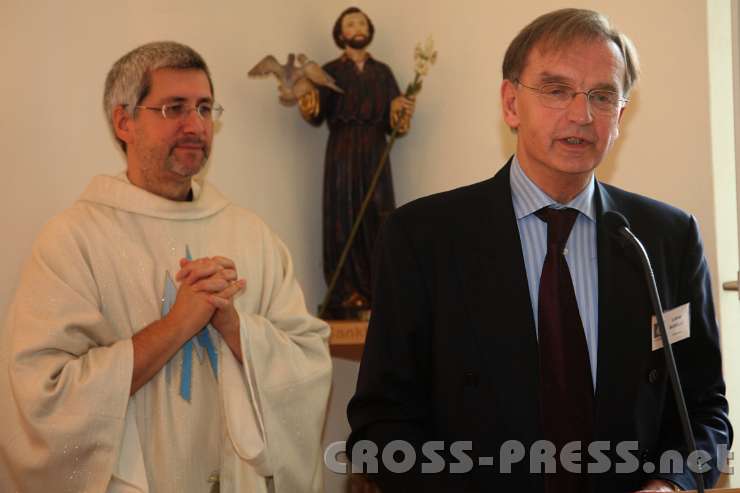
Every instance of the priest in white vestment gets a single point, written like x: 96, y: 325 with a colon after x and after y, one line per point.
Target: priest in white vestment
x: 158, y: 340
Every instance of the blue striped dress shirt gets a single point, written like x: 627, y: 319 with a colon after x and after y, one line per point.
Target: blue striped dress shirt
x: 580, y: 250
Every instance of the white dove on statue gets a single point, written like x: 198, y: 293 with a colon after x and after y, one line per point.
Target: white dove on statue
x: 294, y: 82
x: 316, y: 74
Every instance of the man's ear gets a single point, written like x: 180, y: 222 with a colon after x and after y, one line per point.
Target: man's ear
x: 123, y: 124
x: 509, y: 104
x: 619, y: 121
x: 621, y: 114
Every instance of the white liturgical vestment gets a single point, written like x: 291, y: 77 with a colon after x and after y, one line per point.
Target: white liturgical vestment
x: 96, y: 276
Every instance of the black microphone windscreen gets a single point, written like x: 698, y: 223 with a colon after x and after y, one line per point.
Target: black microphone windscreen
x: 613, y: 222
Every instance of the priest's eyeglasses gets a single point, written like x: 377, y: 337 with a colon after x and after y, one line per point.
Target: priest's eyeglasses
x: 558, y: 96
x: 178, y: 111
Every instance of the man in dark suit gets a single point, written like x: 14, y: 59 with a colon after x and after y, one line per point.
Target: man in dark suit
x: 505, y: 314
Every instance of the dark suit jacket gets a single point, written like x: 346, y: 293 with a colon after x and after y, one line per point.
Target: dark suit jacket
x: 451, y: 351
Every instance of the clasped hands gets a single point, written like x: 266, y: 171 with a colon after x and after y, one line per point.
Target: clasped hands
x: 206, y: 294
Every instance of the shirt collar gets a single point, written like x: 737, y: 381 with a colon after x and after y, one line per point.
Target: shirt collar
x: 528, y: 198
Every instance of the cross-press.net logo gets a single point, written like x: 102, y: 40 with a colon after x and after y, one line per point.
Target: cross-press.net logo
x: 435, y: 457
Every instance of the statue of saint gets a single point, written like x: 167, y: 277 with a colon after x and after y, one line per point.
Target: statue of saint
x: 359, y: 119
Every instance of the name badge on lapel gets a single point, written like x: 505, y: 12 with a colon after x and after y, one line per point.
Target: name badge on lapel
x: 677, y: 325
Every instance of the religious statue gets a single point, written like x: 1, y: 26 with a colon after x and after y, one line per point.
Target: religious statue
x: 369, y: 106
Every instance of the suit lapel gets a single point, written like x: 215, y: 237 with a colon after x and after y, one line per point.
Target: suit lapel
x: 624, y: 316
x: 493, y: 280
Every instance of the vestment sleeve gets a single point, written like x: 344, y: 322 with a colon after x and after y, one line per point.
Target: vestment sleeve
x: 65, y: 375
x: 276, y: 424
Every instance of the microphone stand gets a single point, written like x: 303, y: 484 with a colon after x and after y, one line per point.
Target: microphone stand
x: 667, y: 349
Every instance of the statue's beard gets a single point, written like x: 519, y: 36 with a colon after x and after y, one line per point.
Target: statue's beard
x: 358, y: 42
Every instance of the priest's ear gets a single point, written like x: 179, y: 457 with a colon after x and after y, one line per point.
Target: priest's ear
x: 123, y: 124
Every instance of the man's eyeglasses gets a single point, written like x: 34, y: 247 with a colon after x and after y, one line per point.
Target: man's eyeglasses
x: 558, y: 96
x: 178, y: 111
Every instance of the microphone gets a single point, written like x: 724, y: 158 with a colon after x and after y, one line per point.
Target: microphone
x: 618, y: 226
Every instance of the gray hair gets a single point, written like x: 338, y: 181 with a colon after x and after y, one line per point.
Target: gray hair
x: 561, y: 27
x: 129, y: 80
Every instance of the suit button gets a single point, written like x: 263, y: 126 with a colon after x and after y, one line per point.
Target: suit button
x: 470, y: 379
x: 653, y: 376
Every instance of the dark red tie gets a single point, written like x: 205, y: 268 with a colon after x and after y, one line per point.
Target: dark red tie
x: 566, y: 388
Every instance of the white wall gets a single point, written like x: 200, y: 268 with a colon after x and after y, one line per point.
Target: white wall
x: 719, y: 17
x: 53, y: 136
